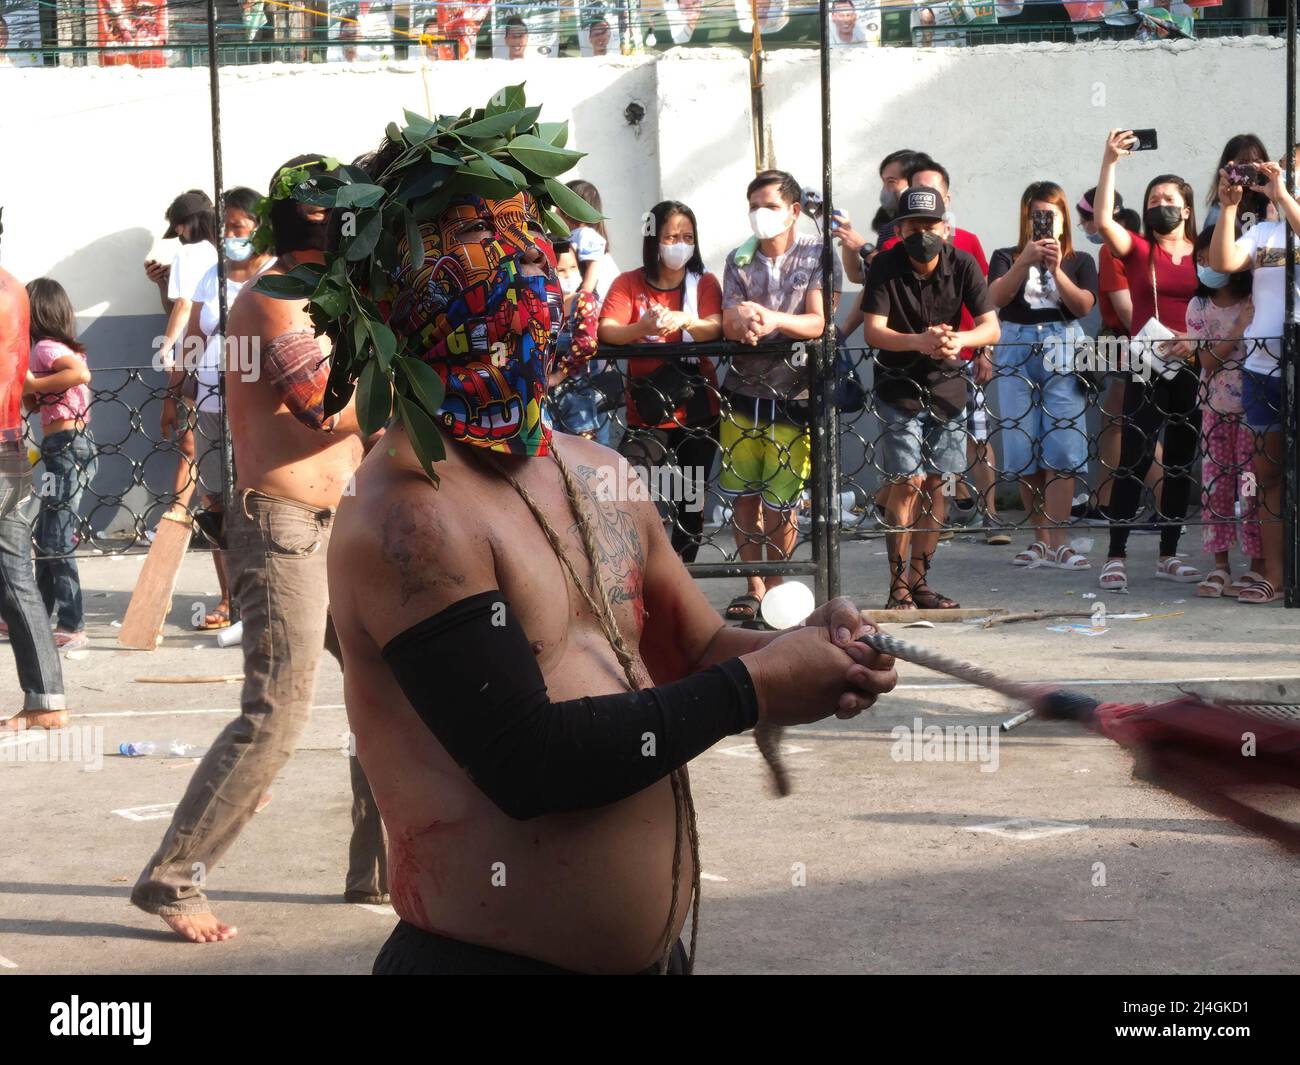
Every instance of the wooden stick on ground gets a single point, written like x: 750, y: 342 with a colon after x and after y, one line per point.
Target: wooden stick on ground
x: 222, y: 678
x: 953, y: 614
x: 1035, y: 615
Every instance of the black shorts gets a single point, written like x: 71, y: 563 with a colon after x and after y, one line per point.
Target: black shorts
x: 411, y: 951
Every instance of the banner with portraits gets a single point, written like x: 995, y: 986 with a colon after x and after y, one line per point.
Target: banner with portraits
x: 133, y: 22
x: 522, y: 30
x: 944, y: 25
x: 855, y: 22
x: 457, y: 22
x: 361, y: 32
x: 20, y: 27
x: 601, y: 26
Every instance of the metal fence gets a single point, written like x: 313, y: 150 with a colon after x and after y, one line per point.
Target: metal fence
x: 753, y: 479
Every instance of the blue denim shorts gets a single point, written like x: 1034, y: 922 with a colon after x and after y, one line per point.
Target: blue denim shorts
x: 911, y: 445
x: 1042, y: 410
x: 1261, y: 400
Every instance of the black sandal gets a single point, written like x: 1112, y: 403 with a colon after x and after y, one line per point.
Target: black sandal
x: 928, y: 599
x: 742, y: 608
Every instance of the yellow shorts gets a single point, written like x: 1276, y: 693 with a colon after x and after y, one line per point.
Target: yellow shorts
x: 771, y: 458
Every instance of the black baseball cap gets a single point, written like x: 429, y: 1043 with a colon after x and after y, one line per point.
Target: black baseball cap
x: 920, y: 201
x: 186, y: 205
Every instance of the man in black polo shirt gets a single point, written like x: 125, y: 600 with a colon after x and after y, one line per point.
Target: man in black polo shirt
x: 912, y: 306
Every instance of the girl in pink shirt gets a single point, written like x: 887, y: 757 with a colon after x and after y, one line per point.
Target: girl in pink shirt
x: 58, y: 381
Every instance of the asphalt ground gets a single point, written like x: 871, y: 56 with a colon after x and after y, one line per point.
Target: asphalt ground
x: 1055, y: 851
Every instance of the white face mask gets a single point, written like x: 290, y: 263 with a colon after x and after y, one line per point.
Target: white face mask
x: 675, y: 256
x: 569, y: 283
x: 767, y: 223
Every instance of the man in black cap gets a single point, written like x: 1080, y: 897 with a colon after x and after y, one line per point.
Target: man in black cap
x: 912, y: 306
x: 183, y: 212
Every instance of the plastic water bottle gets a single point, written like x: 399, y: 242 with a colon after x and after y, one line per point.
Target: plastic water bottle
x: 175, y: 748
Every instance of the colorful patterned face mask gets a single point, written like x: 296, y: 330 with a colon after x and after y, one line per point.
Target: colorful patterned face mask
x: 488, y: 330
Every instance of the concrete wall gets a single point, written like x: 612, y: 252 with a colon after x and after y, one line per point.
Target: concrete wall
x: 93, y: 156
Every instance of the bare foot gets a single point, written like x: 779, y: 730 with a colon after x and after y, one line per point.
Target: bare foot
x: 49, y: 719
x: 200, y: 927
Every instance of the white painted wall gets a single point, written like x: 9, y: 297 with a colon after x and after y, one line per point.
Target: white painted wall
x: 93, y: 156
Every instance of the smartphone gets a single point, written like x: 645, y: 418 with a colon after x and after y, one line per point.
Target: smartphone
x: 1146, y: 140
x: 1044, y: 224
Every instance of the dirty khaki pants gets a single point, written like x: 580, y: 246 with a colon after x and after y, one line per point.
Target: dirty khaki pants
x: 276, y: 559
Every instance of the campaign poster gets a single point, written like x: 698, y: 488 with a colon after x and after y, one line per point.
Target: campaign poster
x: 855, y: 22
x: 361, y: 32
x: 944, y: 25
x: 685, y: 19
x: 773, y: 15
x: 1093, y: 11
x: 137, y: 22
x: 20, y: 27
x: 456, y: 24
x: 603, y: 27
x: 525, y: 30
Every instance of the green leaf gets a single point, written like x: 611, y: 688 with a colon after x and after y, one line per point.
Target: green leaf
x: 422, y: 182
x: 555, y: 224
x: 442, y: 158
x: 393, y: 132
x: 499, y: 123
x: 385, y: 343
x: 571, y: 203
x: 358, y: 195
x: 297, y: 284
x: 423, y: 435
x: 511, y: 98
x: 417, y: 126
x: 505, y: 171
x: 331, y: 301
x: 554, y: 133
x: 414, y: 242
x: 330, y: 163
x: 426, y: 385
x: 374, y: 398
x: 540, y: 157
x: 360, y: 337
x: 429, y: 210
x: 338, y: 389
x: 363, y: 243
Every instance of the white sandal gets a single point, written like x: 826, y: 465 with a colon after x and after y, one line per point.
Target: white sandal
x: 1114, y: 577
x: 1066, y: 557
x: 1175, y: 569
x: 1033, y: 555
x: 1234, y: 590
x: 1215, y: 585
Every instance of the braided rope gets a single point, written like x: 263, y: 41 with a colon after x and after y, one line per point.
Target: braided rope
x: 602, y: 610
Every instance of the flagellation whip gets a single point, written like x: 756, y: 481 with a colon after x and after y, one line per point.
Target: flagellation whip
x: 1273, y: 728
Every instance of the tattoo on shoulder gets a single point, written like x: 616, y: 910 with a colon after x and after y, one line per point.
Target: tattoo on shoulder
x: 620, y: 553
x: 412, y: 531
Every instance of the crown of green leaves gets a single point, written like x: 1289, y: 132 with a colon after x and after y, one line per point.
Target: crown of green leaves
x: 494, y: 152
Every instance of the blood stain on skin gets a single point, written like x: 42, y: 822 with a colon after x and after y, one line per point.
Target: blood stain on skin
x: 405, y: 869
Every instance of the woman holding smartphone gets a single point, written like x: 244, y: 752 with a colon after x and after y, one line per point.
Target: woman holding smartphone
x: 1160, y: 264
x: 1042, y: 287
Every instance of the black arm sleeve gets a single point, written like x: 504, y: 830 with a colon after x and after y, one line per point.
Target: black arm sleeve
x: 471, y: 675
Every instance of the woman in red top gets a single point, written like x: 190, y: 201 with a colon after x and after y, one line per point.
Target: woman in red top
x: 671, y: 299
x: 1161, y: 269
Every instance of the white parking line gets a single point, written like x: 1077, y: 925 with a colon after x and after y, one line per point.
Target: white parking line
x: 383, y: 911
x: 1026, y: 828
x: 156, y: 812
x: 234, y: 710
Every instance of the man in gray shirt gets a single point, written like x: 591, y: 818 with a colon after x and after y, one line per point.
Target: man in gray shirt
x: 771, y: 291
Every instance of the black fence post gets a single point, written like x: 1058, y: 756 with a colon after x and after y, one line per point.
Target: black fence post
x: 827, y: 424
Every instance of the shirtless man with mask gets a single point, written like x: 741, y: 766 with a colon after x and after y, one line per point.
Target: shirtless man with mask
x: 292, y: 465
x: 493, y: 627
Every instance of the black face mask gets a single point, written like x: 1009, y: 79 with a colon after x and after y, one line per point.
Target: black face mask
x: 1163, y: 220
x: 293, y: 232
x: 923, y: 247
